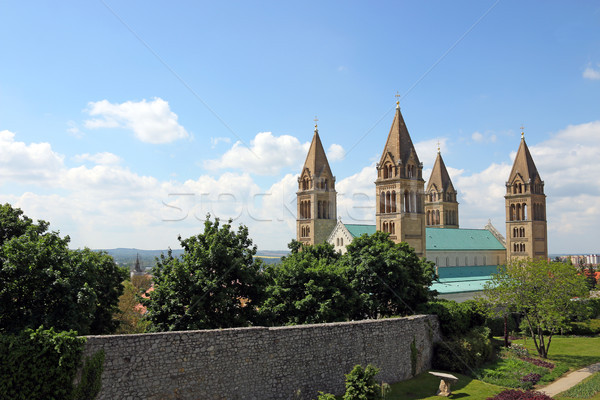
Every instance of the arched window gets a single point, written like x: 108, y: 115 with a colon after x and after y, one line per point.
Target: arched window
x: 428, y: 217
x: 437, y: 217
x: 524, y: 212
x: 342, y: 241
x: 518, y: 210
x: 406, y: 203
x: 309, y: 210
x: 393, y: 201
x: 393, y: 228
x: 382, y: 202
x: 388, y: 204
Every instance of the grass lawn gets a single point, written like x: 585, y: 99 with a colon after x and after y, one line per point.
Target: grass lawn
x: 425, y: 385
x: 573, y: 352
x: 576, y: 351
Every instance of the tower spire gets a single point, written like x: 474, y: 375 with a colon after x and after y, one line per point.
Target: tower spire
x: 316, y: 196
x: 441, y: 206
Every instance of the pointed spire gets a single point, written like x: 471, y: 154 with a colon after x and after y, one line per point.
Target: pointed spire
x: 524, y: 164
x: 316, y: 160
x: 399, y: 143
x: 439, y: 175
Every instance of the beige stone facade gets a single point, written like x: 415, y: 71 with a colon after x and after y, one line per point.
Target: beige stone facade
x: 316, y: 196
x: 441, y: 206
x: 399, y: 189
x: 526, y: 227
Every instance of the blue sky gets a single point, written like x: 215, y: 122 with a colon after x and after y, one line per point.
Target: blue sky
x: 124, y: 123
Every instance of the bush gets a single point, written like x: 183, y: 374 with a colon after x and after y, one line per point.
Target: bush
x: 532, y: 378
x: 463, y: 354
x: 587, y: 328
x: 455, y: 318
x: 496, y: 325
x: 325, y: 396
x: 361, y: 384
x: 39, y: 364
x: 512, y: 394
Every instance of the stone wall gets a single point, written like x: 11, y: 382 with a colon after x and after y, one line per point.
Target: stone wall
x: 260, y: 363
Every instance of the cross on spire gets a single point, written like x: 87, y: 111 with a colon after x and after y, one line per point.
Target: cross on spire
x: 316, y: 120
x: 522, y: 132
x: 438, y: 143
x: 397, y: 99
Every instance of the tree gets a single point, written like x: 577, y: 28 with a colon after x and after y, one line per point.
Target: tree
x: 308, y: 287
x: 389, y: 277
x: 544, y: 292
x: 130, y: 315
x: 216, y: 283
x: 42, y: 282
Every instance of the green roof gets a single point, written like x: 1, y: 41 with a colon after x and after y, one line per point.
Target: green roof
x: 358, y: 230
x: 461, y: 239
x: 444, y: 238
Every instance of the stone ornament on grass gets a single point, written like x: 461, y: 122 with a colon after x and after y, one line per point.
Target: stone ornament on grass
x: 446, y: 381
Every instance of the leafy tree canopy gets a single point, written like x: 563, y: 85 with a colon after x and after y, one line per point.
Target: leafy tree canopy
x: 42, y: 282
x: 308, y: 287
x: 389, y: 277
x: 216, y: 283
x: 544, y: 292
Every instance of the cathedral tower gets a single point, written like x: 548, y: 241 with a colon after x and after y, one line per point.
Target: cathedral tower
x: 441, y: 207
x: 399, y: 188
x: 316, y: 196
x: 526, y: 229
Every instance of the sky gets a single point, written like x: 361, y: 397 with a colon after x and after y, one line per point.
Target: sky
x: 124, y: 124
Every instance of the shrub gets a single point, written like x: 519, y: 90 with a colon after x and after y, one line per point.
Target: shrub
x: 537, y: 362
x: 325, y: 396
x: 39, y: 364
x: 465, y: 353
x: 455, y: 318
x: 361, y: 384
x: 91, y: 377
x: 533, y: 378
x: 513, y: 394
x: 587, y: 328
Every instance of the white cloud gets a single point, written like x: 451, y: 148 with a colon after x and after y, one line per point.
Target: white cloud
x: 104, y: 158
x: 427, y: 149
x: 591, y: 73
x: 336, y: 152
x: 214, y: 141
x: 267, y: 155
x: 34, y: 162
x: 356, y: 197
x: 479, y: 137
x: 151, y: 121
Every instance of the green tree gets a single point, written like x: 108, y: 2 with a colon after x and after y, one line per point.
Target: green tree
x: 216, y: 283
x: 389, y: 277
x: 42, y: 282
x: 543, y: 292
x: 131, y: 312
x: 308, y: 287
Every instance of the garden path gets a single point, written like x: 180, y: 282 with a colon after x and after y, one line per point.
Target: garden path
x: 570, y: 380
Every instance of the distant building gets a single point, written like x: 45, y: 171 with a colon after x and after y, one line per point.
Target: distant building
x: 137, y: 267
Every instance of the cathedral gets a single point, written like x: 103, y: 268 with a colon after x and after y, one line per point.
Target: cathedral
x: 426, y: 216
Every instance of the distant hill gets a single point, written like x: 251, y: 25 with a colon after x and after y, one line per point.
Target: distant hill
x: 127, y: 256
